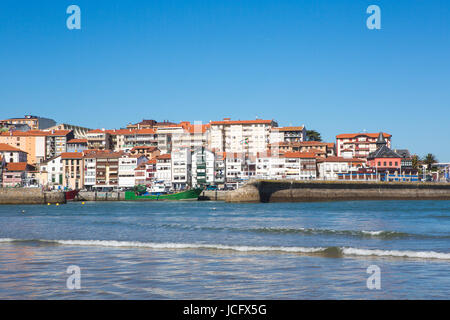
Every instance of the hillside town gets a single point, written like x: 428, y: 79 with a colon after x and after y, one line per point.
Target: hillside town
x: 39, y: 152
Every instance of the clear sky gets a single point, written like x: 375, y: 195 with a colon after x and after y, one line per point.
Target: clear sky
x: 311, y: 62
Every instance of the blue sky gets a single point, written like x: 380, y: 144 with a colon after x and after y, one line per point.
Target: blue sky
x: 311, y: 62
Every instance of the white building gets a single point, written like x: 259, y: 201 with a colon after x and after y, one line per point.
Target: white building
x: 248, y: 136
x: 287, y: 134
x: 12, y: 154
x: 181, y: 168
x: 127, y: 165
x: 164, y: 169
x: 203, y: 167
x: 90, y: 172
x: 331, y: 167
x: 290, y: 165
x: 55, y: 171
x: 359, y: 145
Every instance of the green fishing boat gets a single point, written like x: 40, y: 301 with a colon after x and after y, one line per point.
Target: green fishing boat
x: 191, y: 194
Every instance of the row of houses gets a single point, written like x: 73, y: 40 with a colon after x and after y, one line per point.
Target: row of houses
x: 189, y: 167
x: 181, y: 155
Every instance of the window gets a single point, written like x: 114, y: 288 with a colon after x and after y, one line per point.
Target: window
x: 390, y: 163
x: 384, y: 163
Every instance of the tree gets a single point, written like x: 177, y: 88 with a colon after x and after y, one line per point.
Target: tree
x: 313, y: 135
x: 415, y: 161
x: 429, y: 160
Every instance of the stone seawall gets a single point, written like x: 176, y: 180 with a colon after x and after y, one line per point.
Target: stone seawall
x: 213, y: 195
x: 30, y: 196
x: 292, y: 191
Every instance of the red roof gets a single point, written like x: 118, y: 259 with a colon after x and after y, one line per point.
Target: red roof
x: 354, y: 135
x: 309, y: 155
x: 59, y: 132
x: 164, y: 156
x: 299, y: 128
x: 7, y: 147
x: 341, y: 159
x: 150, y: 148
x: 71, y: 155
x: 242, y: 122
x: 29, y: 133
x: 16, y: 166
x: 77, y: 141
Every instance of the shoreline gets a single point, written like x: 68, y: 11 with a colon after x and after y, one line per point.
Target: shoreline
x: 261, y: 191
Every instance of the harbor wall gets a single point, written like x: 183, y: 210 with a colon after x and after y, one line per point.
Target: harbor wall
x: 30, y: 196
x: 213, y: 195
x: 293, y: 191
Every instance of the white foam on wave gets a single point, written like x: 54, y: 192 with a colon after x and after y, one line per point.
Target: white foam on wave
x: 349, y: 251
x: 169, y: 245
x: 396, y: 253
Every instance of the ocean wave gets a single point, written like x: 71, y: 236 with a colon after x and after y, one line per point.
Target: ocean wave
x: 322, y: 251
x: 379, y: 234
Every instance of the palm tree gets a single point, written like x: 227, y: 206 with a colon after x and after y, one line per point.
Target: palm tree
x: 415, y: 161
x: 429, y: 160
x: 313, y: 135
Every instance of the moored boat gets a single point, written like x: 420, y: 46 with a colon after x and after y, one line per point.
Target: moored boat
x: 191, y: 194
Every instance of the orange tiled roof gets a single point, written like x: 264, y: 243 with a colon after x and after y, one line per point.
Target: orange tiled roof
x: 29, y: 133
x: 150, y: 148
x: 242, y: 122
x: 309, y: 155
x: 59, y: 132
x: 16, y: 166
x: 71, y: 155
x: 354, y: 135
x: 164, y: 156
x: 77, y: 141
x: 7, y: 147
x: 341, y: 159
x: 298, y: 128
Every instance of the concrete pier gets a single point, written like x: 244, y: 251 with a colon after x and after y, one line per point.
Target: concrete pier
x: 292, y: 191
x: 30, y: 196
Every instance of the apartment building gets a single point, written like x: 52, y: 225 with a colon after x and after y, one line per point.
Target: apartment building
x: 358, y: 145
x: 32, y: 142
x: 127, y: 165
x: 56, y: 142
x: 287, y: 134
x: 127, y: 139
x: 164, y: 169
x: 99, y: 139
x: 73, y: 170
x: 106, y: 168
x: 181, y: 164
x: 77, y: 145
x: 203, y: 167
x: 34, y: 122
x: 300, y: 165
x: 247, y: 136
